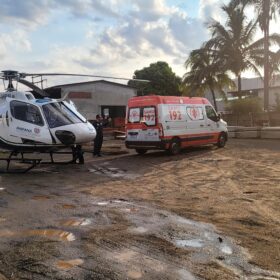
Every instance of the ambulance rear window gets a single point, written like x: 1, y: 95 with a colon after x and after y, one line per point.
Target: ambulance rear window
x: 146, y: 115
x: 149, y: 115
x: 134, y: 115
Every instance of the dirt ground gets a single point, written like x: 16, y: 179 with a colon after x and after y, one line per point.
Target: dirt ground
x: 206, y: 214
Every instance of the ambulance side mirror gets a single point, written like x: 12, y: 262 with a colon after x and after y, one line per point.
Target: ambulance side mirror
x: 218, y: 117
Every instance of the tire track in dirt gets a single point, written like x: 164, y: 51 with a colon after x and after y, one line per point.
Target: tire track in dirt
x: 220, y: 171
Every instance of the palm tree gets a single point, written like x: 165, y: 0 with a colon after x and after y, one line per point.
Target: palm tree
x: 233, y: 44
x: 204, y: 74
x: 266, y: 10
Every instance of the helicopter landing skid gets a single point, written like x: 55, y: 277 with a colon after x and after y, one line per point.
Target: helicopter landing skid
x: 33, y: 162
x: 77, y: 157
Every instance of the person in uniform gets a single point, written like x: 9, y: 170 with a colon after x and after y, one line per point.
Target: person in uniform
x: 98, y: 124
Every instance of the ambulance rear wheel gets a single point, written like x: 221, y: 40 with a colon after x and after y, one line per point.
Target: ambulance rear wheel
x: 141, y: 151
x: 222, y: 140
x: 175, y: 147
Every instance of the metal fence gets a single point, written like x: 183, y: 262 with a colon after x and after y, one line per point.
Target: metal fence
x: 253, y: 119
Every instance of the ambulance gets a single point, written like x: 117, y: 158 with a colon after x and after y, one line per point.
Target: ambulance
x: 172, y: 123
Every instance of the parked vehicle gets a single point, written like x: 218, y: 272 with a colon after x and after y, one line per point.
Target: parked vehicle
x: 172, y: 123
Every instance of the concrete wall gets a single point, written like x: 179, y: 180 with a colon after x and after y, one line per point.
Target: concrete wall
x: 273, y: 92
x: 102, y: 94
x: 254, y: 119
x: 254, y: 132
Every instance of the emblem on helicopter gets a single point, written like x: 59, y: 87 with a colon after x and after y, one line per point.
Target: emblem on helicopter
x: 37, y: 130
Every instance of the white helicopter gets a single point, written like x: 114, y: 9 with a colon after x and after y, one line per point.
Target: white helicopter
x: 45, y: 125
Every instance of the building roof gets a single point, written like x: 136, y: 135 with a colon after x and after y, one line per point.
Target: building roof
x: 257, y: 83
x: 91, y: 82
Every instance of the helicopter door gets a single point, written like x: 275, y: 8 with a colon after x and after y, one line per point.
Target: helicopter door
x: 26, y: 124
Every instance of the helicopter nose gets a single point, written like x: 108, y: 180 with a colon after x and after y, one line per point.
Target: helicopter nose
x: 65, y: 137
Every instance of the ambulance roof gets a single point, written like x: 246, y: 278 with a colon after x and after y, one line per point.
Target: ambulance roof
x: 157, y: 99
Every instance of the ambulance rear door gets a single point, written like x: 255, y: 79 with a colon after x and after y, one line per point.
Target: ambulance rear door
x: 142, y: 124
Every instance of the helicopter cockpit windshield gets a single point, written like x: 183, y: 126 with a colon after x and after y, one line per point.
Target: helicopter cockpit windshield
x: 57, y: 114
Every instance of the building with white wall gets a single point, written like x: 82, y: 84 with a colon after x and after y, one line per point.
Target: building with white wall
x: 96, y: 97
x: 251, y: 87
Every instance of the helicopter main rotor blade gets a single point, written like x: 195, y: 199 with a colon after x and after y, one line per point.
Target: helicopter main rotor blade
x: 34, y: 87
x: 81, y: 75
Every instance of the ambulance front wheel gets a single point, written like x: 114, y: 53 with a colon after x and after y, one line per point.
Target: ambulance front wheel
x: 222, y: 140
x: 175, y: 147
x: 141, y: 151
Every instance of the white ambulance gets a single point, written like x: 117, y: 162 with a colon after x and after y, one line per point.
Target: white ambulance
x: 171, y: 123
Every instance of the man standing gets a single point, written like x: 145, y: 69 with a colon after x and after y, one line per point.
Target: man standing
x: 98, y: 124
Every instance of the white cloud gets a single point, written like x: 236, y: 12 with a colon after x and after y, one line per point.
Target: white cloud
x: 150, y: 32
x: 34, y: 13
x: 190, y: 32
x: 28, y: 13
x: 142, y: 32
x: 211, y: 9
x: 150, y: 10
x: 15, y: 41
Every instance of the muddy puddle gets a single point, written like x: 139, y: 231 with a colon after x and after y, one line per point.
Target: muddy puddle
x: 75, y: 222
x: 41, y: 197
x: 68, y: 264
x: 201, y: 241
x: 53, y: 234
x: 111, y: 171
x: 68, y: 206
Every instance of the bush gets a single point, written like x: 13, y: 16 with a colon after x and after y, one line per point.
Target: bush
x: 246, y: 105
x: 277, y: 102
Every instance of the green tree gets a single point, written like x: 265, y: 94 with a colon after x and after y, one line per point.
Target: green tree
x: 266, y: 10
x: 163, y: 81
x: 233, y: 43
x: 204, y: 74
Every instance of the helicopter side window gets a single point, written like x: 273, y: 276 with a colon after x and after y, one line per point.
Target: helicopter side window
x: 26, y: 112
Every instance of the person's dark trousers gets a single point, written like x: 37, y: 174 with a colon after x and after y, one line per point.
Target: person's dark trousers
x: 97, y: 145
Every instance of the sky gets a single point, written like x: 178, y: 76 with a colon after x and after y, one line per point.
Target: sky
x: 101, y: 37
